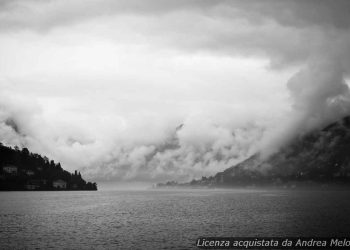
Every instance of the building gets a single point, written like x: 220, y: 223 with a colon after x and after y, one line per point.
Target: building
x: 30, y: 172
x: 10, y: 169
x: 33, y: 185
x: 60, y: 184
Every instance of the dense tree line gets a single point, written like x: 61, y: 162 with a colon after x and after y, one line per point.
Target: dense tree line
x: 34, y: 168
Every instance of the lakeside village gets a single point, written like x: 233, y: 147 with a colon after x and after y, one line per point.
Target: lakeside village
x: 21, y: 170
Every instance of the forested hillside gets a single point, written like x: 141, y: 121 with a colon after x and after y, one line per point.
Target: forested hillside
x: 23, y: 170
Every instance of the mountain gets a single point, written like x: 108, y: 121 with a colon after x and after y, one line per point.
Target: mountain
x: 321, y: 156
x: 23, y: 170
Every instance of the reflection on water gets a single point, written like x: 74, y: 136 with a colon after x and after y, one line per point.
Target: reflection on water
x: 169, y: 219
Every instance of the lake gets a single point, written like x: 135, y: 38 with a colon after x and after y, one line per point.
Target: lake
x: 165, y: 219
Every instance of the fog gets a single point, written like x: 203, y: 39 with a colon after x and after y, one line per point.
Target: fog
x: 130, y: 91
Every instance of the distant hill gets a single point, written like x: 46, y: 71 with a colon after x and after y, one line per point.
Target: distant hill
x: 319, y: 157
x: 23, y: 170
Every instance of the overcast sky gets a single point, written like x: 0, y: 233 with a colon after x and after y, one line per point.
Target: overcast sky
x: 103, y: 86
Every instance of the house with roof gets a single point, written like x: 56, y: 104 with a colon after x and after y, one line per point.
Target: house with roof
x: 30, y: 173
x: 33, y: 184
x: 59, y: 184
x: 10, y: 169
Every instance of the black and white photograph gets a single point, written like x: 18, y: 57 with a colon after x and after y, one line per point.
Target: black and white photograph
x: 174, y: 124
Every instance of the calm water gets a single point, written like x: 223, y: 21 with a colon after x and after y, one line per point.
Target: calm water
x: 170, y: 219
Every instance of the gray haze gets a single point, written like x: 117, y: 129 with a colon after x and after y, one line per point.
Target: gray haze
x: 156, y: 90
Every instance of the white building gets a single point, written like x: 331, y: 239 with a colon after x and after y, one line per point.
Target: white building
x: 61, y: 184
x: 10, y: 169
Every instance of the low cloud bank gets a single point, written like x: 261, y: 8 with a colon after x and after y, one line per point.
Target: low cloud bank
x: 112, y: 135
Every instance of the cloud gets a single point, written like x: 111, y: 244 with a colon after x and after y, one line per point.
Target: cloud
x: 102, y: 85
x: 195, y: 149
x: 320, y: 89
x: 286, y: 31
x: 290, y: 13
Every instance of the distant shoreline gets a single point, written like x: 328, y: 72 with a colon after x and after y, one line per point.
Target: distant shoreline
x: 297, y: 187
x: 25, y: 190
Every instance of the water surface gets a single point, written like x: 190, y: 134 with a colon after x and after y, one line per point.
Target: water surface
x: 170, y: 219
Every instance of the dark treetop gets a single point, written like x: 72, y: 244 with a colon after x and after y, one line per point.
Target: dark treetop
x: 23, y: 170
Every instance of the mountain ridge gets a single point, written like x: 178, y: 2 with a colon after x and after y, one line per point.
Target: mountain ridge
x: 321, y: 156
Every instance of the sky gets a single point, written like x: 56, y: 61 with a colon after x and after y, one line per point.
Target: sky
x: 154, y: 90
